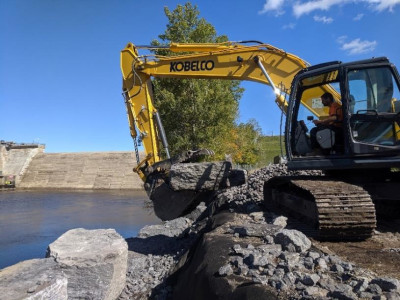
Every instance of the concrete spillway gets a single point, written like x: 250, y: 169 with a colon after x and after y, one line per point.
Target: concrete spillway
x: 32, y: 168
x: 91, y: 170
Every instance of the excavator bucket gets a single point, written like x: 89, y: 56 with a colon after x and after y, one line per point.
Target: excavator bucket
x: 177, y: 191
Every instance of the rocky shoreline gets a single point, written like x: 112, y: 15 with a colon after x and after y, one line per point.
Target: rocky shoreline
x: 233, y: 248
x: 230, y: 248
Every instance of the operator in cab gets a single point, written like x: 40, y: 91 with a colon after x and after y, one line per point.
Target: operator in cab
x: 332, y: 122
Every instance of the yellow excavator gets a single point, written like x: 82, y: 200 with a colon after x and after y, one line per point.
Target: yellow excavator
x: 360, y: 161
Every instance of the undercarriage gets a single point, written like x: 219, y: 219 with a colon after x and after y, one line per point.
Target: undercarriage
x: 339, y: 208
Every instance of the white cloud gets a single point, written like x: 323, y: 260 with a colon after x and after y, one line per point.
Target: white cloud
x: 323, y: 19
x: 300, y: 9
x: 273, y: 5
x: 303, y: 8
x: 381, y: 5
x: 356, y: 46
x: 341, y: 39
x: 289, y: 26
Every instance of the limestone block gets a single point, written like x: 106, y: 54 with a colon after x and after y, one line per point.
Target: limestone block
x: 205, y: 176
x: 33, y: 279
x: 198, y: 176
x: 287, y: 237
x: 387, y: 284
x: 173, y: 228
x: 94, y: 261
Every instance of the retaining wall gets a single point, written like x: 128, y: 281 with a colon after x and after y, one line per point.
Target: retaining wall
x: 15, y: 158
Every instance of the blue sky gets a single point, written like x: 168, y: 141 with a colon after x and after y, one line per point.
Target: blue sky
x: 60, y: 82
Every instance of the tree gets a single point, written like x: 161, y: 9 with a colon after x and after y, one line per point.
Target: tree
x: 197, y: 113
x: 201, y: 113
x: 247, y: 143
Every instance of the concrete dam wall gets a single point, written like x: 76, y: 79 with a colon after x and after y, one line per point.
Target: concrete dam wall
x: 32, y: 168
x: 15, y: 159
x: 91, y: 170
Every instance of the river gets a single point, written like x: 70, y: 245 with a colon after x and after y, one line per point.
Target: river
x: 31, y: 220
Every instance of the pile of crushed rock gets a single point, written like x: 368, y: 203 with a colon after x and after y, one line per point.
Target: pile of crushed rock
x: 233, y: 248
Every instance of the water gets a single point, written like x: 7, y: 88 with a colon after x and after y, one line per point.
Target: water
x: 31, y: 220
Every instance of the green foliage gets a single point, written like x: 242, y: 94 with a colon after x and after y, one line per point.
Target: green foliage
x: 201, y: 113
x: 185, y: 26
x: 197, y: 113
x: 247, y: 143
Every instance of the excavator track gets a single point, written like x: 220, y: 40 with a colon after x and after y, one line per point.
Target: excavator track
x: 339, y: 210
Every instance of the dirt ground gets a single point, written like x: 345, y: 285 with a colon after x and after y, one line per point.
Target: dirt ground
x: 380, y: 253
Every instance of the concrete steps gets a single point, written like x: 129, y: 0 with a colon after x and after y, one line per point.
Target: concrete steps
x: 86, y: 170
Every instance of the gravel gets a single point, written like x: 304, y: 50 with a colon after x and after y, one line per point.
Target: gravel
x: 285, y: 259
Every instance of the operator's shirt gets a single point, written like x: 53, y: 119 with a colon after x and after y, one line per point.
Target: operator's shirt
x: 336, y: 110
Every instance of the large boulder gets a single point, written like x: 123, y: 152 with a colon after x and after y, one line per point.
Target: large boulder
x: 33, y: 279
x: 188, y: 184
x: 293, y: 240
x: 94, y: 261
x: 208, y: 176
x: 154, y: 255
x: 173, y: 228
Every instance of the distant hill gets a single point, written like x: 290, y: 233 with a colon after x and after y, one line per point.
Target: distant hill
x: 269, y: 148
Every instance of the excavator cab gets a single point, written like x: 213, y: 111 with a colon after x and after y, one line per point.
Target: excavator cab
x: 359, y: 157
x: 368, y: 135
x: 309, y: 106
